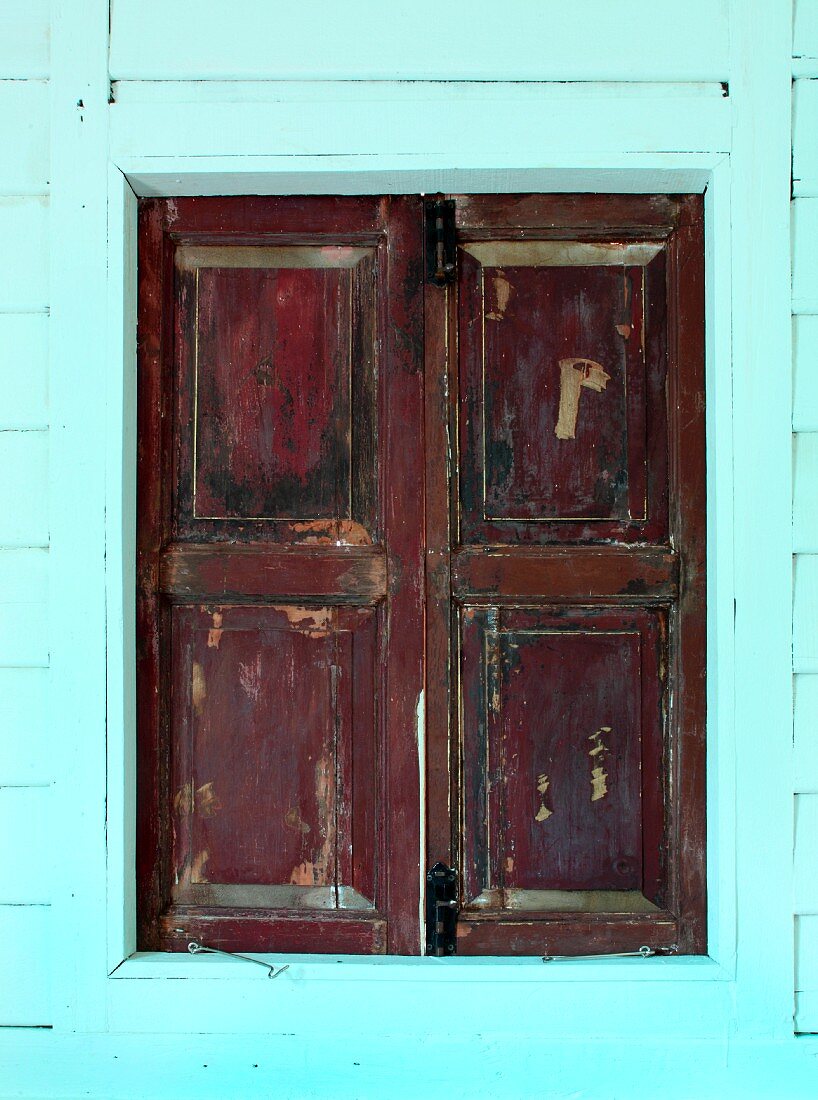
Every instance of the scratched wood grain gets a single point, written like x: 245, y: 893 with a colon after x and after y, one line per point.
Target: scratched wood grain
x: 279, y: 580
x: 561, y: 421
x: 519, y: 465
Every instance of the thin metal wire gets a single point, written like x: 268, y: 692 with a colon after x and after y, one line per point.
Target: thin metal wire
x: 644, y: 952
x: 200, y: 949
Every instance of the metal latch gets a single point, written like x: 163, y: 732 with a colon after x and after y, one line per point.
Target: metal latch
x: 441, y: 911
x: 441, y: 244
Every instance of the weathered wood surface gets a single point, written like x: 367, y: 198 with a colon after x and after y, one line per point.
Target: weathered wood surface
x: 562, y: 754
x: 591, y: 506
x: 357, y: 574
x: 284, y: 476
x: 280, y: 573
x: 566, y: 573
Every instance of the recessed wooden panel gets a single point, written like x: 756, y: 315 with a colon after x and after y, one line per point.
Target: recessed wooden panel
x: 277, y: 347
x: 562, y: 390
x: 273, y: 781
x: 562, y: 747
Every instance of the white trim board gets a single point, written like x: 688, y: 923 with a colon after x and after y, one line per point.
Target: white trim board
x: 749, y: 989
x: 585, y: 983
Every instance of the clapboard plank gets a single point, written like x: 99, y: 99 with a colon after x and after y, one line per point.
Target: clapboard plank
x: 24, y: 161
x: 153, y: 40
x: 806, y: 734
x: 804, y: 146
x: 24, y: 252
x: 806, y: 953
x: 806, y: 1012
x: 805, y: 614
x: 24, y: 488
x: 25, y: 859
x: 805, y: 493
x: 24, y: 39
x: 218, y: 118
x: 806, y: 854
x: 805, y: 377
x: 23, y: 370
x: 23, y: 607
x: 805, y: 29
x: 26, y: 964
x: 804, y: 244
x: 26, y: 755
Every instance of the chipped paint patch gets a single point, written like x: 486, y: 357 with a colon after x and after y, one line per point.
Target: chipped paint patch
x: 543, y: 813
x: 214, y: 635
x: 293, y: 820
x: 509, y: 864
x: 303, y: 875
x: 502, y: 295
x: 193, y: 869
x: 206, y: 801
x: 315, y: 622
x: 250, y: 678
x: 599, y: 777
x: 336, y: 532
x: 183, y: 800
x: 576, y: 374
x: 198, y: 688
x: 325, y: 800
x: 599, y: 783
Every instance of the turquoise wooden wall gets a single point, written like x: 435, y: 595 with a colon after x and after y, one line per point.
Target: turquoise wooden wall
x: 99, y: 102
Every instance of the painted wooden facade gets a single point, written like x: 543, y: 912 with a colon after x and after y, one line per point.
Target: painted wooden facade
x: 151, y: 99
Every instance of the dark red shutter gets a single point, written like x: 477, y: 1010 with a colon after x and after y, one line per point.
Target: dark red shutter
x: 566, y: 580
x: 279, y: 565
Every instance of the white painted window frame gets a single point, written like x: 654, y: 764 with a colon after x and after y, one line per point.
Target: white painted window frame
x: 573, y: 142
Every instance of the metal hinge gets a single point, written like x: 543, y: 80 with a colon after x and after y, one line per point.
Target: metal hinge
x: 441, y: 245
x: 441, y: 911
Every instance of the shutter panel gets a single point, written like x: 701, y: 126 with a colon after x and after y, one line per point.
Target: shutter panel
x: 567, y: 635
x: 280, y: 359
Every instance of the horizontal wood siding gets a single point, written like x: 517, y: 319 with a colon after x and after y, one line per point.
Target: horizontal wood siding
x: 23, y: 370
x: 24, y: 39
x: 23, y: 510
x: 805, y: 32
x: 23, y: 254
x: 227, y: 118
x: 24, y: 164
x: 26, y: 964
x: 25, y: 826
x: 24, y: 745
x: 806, y: 734
x: 26, y: 768
x: 153, y: 40
x: 805, y: 519
x: 805, y: 381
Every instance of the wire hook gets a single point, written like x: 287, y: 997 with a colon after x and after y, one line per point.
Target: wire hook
x: 199, y: 949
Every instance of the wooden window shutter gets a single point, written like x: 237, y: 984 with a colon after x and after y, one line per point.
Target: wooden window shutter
x: 566, y: 586
x: 364, y: 498
x: 280, y: 585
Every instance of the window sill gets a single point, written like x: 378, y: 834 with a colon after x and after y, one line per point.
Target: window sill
x: 175, y: 966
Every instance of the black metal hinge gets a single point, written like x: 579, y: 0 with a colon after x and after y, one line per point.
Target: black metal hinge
x: 441, y: 265
x: 441, y: 911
